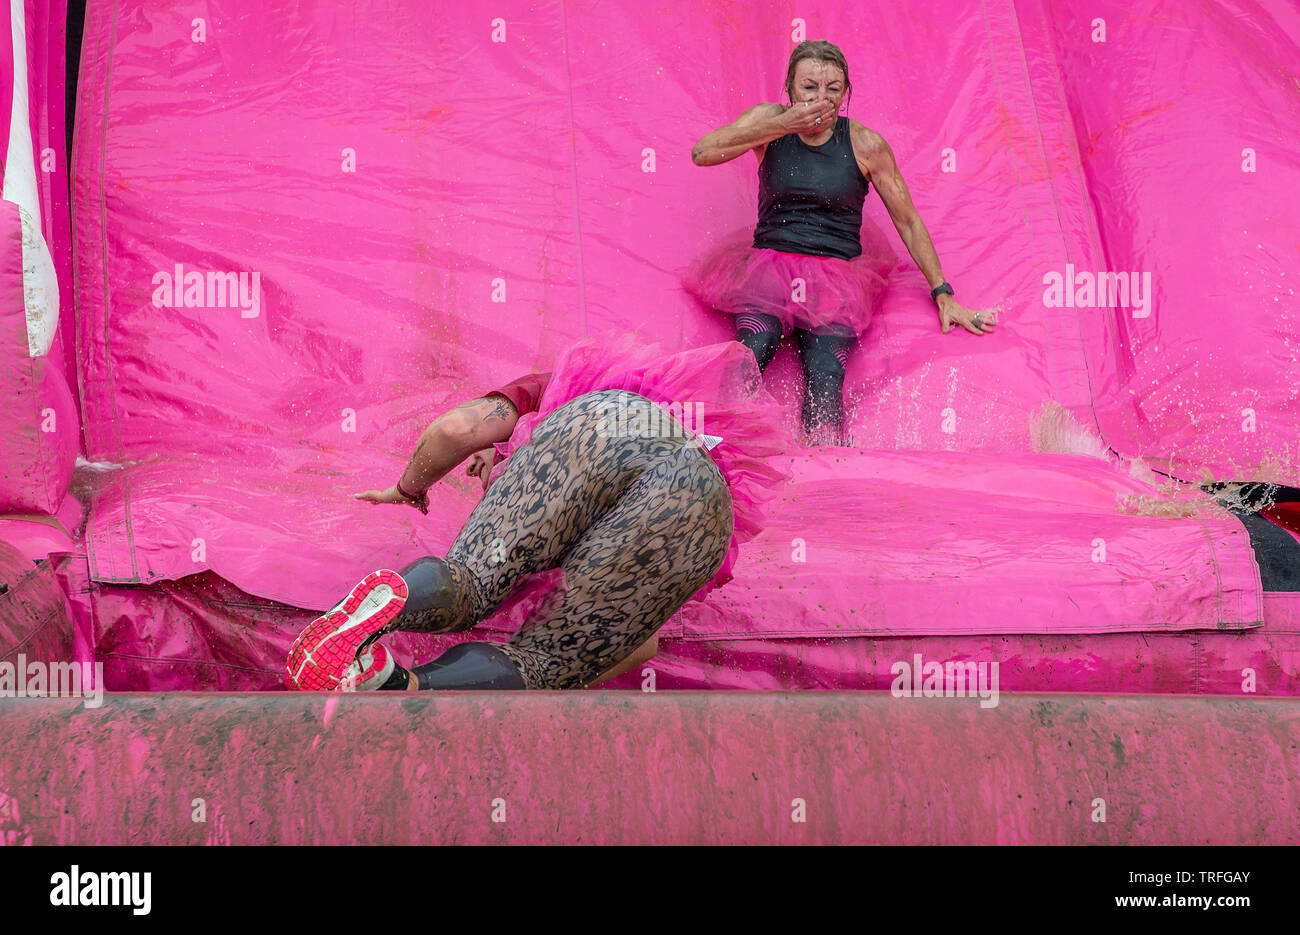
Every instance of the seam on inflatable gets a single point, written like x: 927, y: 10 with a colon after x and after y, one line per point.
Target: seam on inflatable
x: 78, y: 117
x: 81, y: 117
x: 1198, y: 687
x: 133, y: 573
x: 1218, y: 574
x: 1087, y: 201
x: 573, y: 164
x: 98, y: 307
x: 1093, y: 213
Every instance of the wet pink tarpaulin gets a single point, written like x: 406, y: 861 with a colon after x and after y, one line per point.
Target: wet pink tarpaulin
x: 303, y: 230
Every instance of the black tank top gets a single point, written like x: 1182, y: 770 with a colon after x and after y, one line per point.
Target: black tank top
x: 810, y: 197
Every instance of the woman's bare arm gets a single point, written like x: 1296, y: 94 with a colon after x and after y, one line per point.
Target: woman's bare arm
x: 754, y: 129
x: 450, y: 439
x: 455, y: 435
x: 877, y: 163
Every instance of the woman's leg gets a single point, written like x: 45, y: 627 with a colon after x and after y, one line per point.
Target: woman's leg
x: 825, y: 355
x: 644, y: 653
x: 630, y: 572
x: 666, y: 526
x: 759, y: 332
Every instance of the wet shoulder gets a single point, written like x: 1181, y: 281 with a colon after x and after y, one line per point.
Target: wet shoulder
x: 865, y: 140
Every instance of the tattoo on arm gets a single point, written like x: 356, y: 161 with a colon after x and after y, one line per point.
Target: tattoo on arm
x: 489, y: 408
x: 502, y: 408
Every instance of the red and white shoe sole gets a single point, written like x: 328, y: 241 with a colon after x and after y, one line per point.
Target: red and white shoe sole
x: 375, y: 666
x: 321, y: 656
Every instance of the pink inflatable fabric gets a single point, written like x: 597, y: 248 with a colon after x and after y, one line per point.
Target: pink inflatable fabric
x: 295, y: 246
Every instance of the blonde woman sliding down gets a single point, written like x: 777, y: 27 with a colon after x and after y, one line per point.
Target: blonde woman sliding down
x: 813, y: 264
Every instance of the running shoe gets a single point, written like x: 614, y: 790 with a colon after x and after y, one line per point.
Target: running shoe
x: 325, y: 655
x: 374, y: 666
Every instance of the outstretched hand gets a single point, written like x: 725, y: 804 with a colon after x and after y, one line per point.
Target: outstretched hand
x: 392, y: 496
x: 952, y: 312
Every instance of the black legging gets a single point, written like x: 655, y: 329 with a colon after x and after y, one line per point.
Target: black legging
x: 825, y: 354
x: 638, y: 525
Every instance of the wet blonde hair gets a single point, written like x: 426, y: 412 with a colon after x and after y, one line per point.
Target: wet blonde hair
x: 818, y: 50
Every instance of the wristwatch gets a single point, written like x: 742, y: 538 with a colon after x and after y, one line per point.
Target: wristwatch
x: 940, y: 289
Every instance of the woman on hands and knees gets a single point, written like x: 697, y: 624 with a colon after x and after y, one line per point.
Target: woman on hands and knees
x: 637, y: 522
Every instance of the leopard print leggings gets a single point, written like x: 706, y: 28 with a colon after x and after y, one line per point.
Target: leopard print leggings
x: 638, y: 525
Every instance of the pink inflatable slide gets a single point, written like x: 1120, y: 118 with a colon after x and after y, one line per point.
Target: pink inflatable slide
x: 299, y: 231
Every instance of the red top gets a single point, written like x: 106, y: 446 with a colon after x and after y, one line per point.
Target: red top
x: 525, y: 392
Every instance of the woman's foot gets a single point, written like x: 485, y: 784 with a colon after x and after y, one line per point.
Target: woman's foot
x: 326, y: 653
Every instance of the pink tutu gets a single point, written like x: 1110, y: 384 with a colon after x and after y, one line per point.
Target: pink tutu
x: 803, y: 291
x: 722, y: 378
